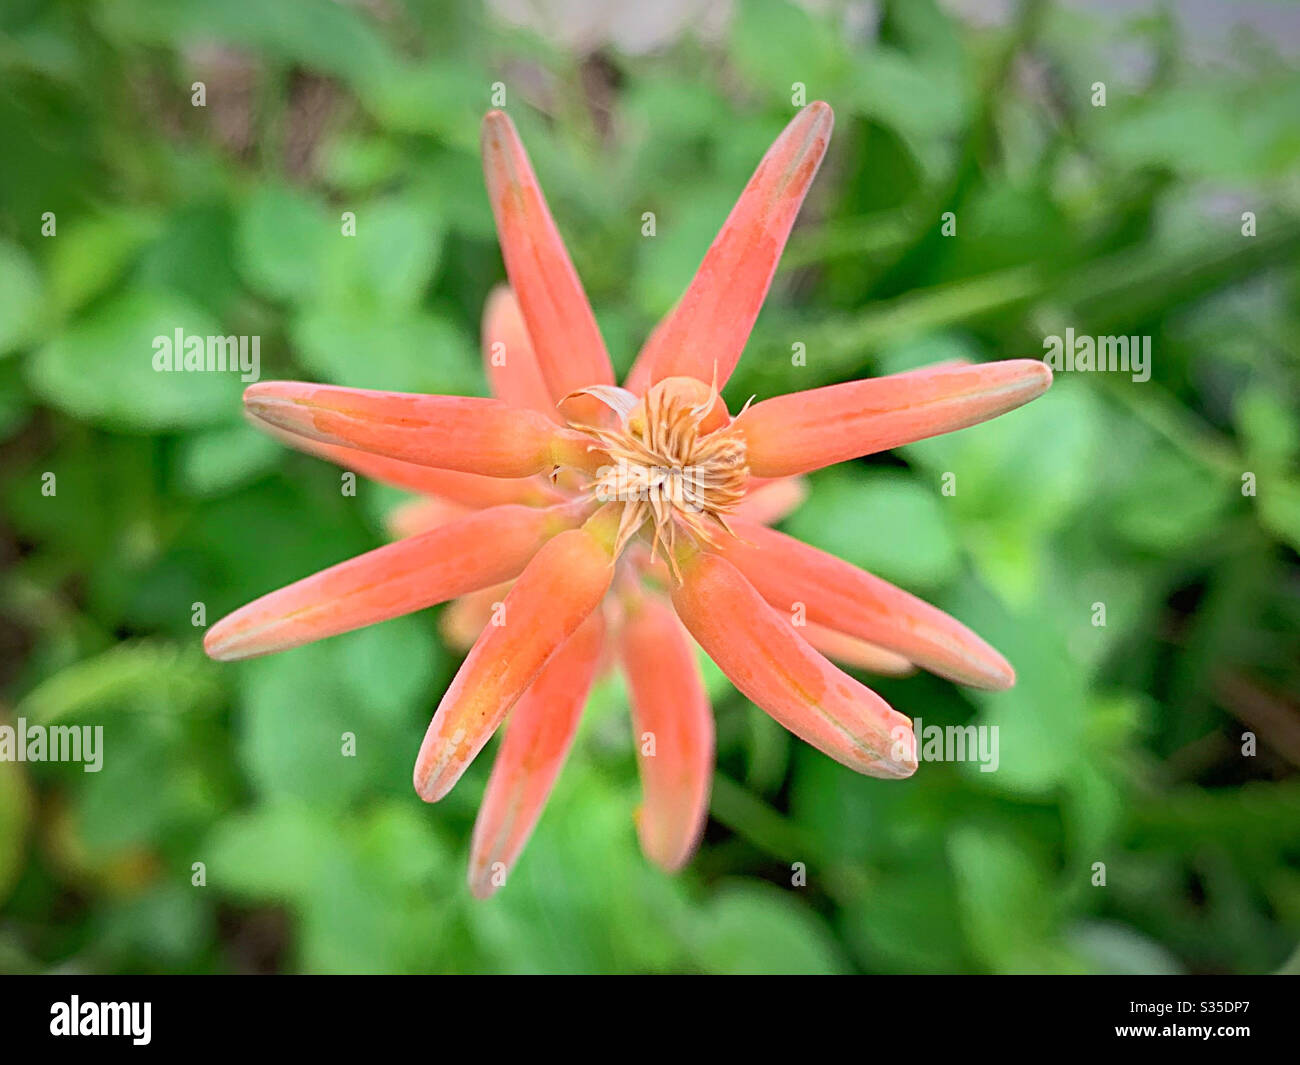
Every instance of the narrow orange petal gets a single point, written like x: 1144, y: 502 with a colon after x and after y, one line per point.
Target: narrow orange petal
x: 509, y: 357
x: 464, y: 433
x: 472, y: 490
x: 708, y: 328
x: 638, y: 377
x: 464, y: 619
x: 570, y: 351
x: 773, y: 666
x: 481, y: 549
x: 844, y: 598
x: 417, y: 516
x: 555, y: 594
x: 673, y: 730
x: 537, y: 740
x: 767, y: 502
x: 850, y: 651
x: 805, y: 431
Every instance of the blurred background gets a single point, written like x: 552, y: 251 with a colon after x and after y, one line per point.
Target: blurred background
x: 1124, y: 743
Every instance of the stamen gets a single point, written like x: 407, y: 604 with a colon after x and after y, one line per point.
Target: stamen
x: 664, y: 471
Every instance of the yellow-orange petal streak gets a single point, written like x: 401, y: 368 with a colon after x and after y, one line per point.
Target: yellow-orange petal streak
x: 465, y: 433
x: 481, y: 549
x: 537, y: 740
x: 775, y: 667
x: 805, y: 431
x: 673, y: 731
x: 555, y: 594
x: 569, y: 348
x: 842, y: 597
x: 713, y: 320
x: 509, y: 358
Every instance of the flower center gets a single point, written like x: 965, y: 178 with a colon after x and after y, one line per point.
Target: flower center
x: 674, y: 464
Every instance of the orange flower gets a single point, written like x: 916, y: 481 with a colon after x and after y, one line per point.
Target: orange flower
x: 578, y: 524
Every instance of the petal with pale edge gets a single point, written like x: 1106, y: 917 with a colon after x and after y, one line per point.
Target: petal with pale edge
x: 465, y: 433
x: 481, y: 549
x: 570, y: 351
x: 555, y: 594
x: 472, y: 490
x: 537, y: 740
x: 805, y: 431
x: 850, y: 651
x: 842, y: 597
x: 707, y: 330
x: 673, y: 730
x: 775, y: 667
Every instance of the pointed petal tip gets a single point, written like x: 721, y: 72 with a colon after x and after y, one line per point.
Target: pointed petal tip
x: 1038, y: 375
x: 665, y: 849
x: 496, y: 127
x: 481, y: 884
x: 705, y: 333
x: 822, y: 114
x: 216, y: 643
x: 268, y: 401
x: 432, y: 782
x: 233, y: 639
x: 987, y: 668
x: 803, y: 431
x: 998, y: 676
x: 671, y: 862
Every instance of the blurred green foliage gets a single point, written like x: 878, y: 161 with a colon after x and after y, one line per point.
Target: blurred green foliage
x: 1120, y: 744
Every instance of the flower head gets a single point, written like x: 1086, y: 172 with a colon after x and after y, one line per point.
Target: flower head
x: 677, y: 464
x: 577, y: 524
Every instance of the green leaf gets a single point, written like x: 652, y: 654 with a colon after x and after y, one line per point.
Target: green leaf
x: 301, y: 707
x: 683, y: 232
x: 316, y: 34
x: 1279, y: 509
x: 755, y: 928
x: 392, y: 258
x: 215, y: 461
x: 274, y: 851
x: 370, y: 891
x: 101, y: 368
x: 282, y: 243
x: 776, y: 43
x: 136, y: 674
x: 402, y: 351
x: 1117, y: 950
x: 1041, y: 720
x: 15, y: 816
x: 581, y: 898
x: 20, y: 297
x: 1006, y: 905
x: 1269, y: 424
x: 91, y: 253
x: 886, y: 523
